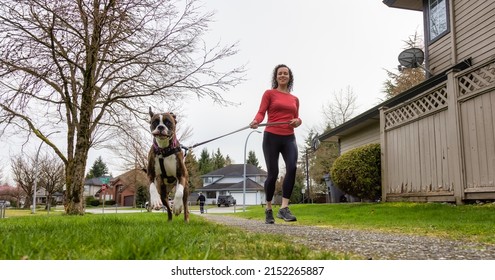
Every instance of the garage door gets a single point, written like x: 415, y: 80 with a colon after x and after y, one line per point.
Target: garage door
x: 129, y: 200
x: 251, y: 198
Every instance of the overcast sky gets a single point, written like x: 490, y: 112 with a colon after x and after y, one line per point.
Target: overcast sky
x: 329, y: 46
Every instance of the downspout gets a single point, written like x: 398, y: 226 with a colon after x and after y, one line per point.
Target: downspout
x: 453, y: 37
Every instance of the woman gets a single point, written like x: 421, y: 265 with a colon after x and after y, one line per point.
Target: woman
x: 280, y: 106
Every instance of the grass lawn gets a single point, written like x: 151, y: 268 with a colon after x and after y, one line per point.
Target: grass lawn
x: 148, y: 236
x: 138, y: 236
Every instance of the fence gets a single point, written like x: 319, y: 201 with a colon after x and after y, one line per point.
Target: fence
x: 440, y: 146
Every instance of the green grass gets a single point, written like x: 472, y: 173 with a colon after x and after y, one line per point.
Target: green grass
x: 148, y: 236
x: 461, y: 222
x: 139, y: 236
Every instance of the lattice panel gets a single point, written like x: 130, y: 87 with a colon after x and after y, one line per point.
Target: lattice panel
x: 417, y: 108
x: 477, y: 80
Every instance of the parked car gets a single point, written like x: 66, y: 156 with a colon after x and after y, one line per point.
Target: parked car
x: 226, y: 200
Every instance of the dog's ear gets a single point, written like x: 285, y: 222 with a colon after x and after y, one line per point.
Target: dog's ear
x: 151, y: 113
x: 174, y: 116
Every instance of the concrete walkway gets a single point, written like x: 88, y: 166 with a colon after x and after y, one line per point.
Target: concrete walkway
x: 118, y: 210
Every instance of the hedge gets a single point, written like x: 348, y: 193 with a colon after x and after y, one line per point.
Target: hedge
x: 358, y: 172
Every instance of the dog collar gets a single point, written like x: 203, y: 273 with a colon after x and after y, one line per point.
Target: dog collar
x: 165, y: 152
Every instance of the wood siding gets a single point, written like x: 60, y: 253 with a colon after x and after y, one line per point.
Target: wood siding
x: 368, y: 135
x: 474, y: 36
x: 440, y: 55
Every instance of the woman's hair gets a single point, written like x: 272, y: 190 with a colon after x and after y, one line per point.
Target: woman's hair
x: 274, y: 77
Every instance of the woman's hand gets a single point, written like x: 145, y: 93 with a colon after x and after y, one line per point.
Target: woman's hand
x: 254, y: 125
x: 295, y: 122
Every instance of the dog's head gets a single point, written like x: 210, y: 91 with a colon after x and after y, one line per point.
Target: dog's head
x: 162, y: 127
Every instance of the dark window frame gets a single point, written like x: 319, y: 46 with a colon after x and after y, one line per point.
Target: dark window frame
x: 426, y: 5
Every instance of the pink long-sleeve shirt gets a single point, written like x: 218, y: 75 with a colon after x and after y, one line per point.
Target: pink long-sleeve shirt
x: 281, y: 107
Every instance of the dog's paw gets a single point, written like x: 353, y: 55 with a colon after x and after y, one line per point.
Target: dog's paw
x: 155, y: 201
x: 178, y: 204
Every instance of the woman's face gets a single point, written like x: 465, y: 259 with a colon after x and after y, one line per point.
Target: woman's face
x: 283, y: 76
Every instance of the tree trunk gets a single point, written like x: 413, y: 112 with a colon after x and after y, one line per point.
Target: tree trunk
x: 74, y: 199
x: 75, y: 169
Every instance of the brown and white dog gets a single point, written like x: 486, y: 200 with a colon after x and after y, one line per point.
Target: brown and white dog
x: 166, y: 166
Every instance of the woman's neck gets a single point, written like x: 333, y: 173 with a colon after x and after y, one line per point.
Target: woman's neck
x: 283, y: 89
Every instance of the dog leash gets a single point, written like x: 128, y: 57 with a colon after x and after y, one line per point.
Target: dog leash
x: 240, y: 129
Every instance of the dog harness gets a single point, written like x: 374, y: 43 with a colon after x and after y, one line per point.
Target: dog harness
x: 166, y: 152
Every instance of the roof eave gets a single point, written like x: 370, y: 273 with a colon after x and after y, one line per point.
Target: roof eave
x: 415, y: 5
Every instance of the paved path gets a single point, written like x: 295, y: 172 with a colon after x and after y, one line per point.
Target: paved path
x: 366, y: 244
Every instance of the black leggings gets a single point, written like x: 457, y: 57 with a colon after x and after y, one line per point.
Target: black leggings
x: 273, y: 145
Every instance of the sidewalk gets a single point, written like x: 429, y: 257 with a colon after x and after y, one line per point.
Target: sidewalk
x: 216, y: 210
x: 209, y: 210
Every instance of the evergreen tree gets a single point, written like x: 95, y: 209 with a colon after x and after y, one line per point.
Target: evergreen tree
x: 205, y: 163
x: 218, y: 160
x: 228, y: 160
x: 192, y: 166
x: 141, y: 196
x: 98, y: 169
x: 252, y: 159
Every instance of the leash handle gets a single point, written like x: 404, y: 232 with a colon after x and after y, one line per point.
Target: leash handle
x: 272, y: 123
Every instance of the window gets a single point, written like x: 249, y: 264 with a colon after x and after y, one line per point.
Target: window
x: 438, y: 20
x: 211, y: 194
x: 207, y: 180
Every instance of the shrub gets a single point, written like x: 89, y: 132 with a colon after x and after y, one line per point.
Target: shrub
x: 110, y: 202
x: 91, y: 201
x: 358, y: 172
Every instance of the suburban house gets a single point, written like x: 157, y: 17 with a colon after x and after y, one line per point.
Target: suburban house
x: 438, y: 138
x: 93, y: 186
x: 122, y: 189
x: 230, y: 181
x: 125, y: 187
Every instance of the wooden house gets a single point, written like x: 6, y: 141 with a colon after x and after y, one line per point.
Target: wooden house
x: 438, y: 138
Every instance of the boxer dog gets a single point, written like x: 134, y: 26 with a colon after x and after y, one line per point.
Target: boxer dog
x: 166, y: 166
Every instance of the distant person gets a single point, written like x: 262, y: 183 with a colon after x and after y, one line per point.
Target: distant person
x: 280, y: 106
x: 202, y: 200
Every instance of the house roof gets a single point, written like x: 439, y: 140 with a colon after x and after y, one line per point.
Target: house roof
x: 235, y: 170
x: 131, y: 178
x: 96, y: 181
x: 373, y: 114
x: 416, y: 5
x: 250, y: 186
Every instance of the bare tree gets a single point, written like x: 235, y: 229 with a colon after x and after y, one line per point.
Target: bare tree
x: 86, y: 67
x: 337, y: 111
x: 341, y: 108
x: 24, y: 172
x: 51, y: 177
